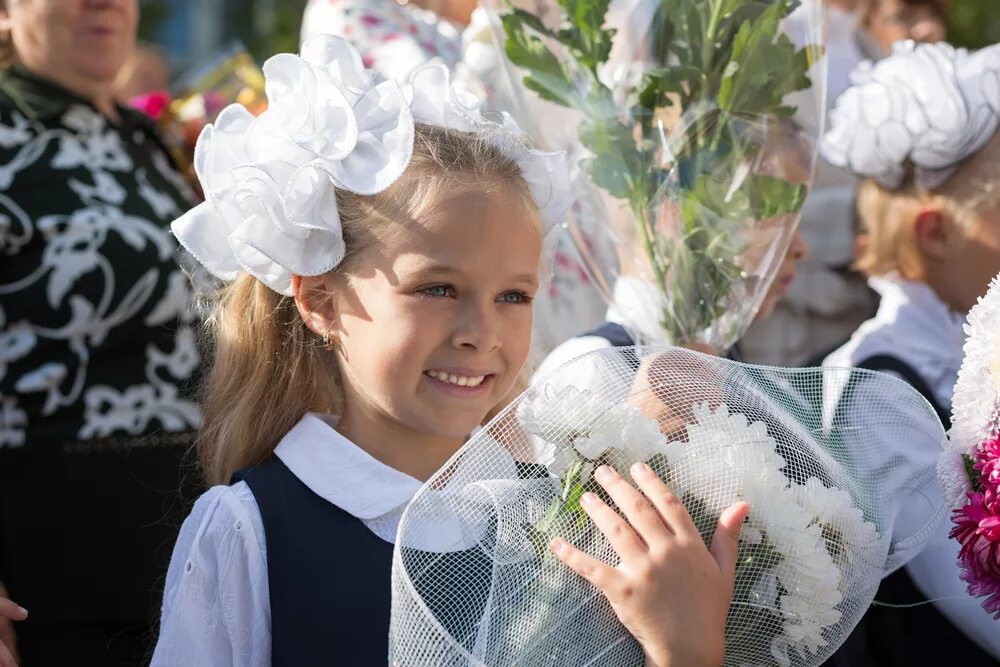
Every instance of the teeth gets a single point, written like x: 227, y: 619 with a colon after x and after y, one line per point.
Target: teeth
x: 459, y: 380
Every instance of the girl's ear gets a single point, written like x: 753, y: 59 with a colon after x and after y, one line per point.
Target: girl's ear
x: 314, y: 300
x: 935, y: 231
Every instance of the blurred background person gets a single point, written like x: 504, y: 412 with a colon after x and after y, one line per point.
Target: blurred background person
x: 932, y: 246
x: 394, y: 38
x: 886, y: 22
x: 97, y: 344
x: 830, y: 299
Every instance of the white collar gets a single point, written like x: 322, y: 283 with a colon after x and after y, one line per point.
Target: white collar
x: 915, y: 326
x: 931, y: 326
x: 340, y: 472
x: 637, y: 305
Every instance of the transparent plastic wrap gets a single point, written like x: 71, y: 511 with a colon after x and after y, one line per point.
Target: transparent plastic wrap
x: 838, y: 467
x: 696, y: 123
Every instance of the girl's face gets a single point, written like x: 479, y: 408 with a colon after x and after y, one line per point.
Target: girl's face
x: 434, y: 326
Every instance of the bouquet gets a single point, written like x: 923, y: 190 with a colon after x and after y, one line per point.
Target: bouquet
x: 474, y: 582
x: 970, y: 466
x: 690, y: 120
x: 231, y: 76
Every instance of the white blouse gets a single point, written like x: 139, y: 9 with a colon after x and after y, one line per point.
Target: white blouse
x: 216, y: 609
x: 913, y: 325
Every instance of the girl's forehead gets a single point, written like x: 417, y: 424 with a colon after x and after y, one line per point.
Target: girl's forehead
x: 467, y: 232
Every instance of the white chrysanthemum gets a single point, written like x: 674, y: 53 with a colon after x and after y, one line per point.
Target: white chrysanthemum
x: 976, y: 403
x: 954, y: 479
x: 574, y: 419
x: 558, y: 417
x: 724, y: 453
x: 834, y: 509
x: 811, y: 581
x: 624, y: 428
x: 727, y: 458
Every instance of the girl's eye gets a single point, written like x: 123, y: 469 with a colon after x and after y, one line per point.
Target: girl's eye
x: 439, y: 291
x: 516, y: 296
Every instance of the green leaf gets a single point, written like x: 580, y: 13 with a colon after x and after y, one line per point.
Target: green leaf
x: 584, y: 33
x: 546, y: 74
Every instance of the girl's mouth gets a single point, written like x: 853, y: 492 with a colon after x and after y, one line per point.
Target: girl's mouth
x: 461, y: 384
x: 459, y: 380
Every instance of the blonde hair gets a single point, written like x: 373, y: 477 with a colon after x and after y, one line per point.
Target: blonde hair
x: 269, y: 369
x: 887, y: 216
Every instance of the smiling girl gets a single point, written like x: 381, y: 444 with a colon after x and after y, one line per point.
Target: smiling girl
x: 383, y: 249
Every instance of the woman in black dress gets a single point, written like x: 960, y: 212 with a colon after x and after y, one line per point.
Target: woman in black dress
x: 97, y: 340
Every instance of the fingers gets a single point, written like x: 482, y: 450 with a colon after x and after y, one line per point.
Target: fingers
x: 725, y: 542
x: 600, y: 574
x: 6, y: 658
x: 11, y: 610
x: 620, y: 534
x: 647, y: 522
x: 667, y: 504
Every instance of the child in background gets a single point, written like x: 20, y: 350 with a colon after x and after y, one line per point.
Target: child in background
x: 376, y: 312
x: 930, y: 208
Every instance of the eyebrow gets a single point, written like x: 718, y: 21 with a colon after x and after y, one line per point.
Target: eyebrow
x: 446, y: 271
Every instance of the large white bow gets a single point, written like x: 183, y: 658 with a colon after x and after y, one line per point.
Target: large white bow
x: 929, y: 106
x: 270, y: 181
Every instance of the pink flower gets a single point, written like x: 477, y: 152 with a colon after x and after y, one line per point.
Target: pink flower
x: 152, y: 104
x: 977, y: 528
x: 988, y: 465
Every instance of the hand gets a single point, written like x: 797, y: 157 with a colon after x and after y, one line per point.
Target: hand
x: 9, y: 611
x: 669, y: 590
x: 669, y: 384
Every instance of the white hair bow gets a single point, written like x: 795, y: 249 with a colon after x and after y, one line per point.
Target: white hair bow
x: 270, y: 181
x: 927, y: 106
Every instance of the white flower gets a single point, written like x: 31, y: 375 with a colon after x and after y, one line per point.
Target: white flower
x: 954, y: 479
x: 811, y: 581
x: 725, y: 458
x: 572, y: 422
x: 834, y: 509
x: 927, y: 104
x: 976, y: 402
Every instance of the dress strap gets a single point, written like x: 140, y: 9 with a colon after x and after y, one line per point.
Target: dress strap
x: 617, y: 335
x: 889, y: 363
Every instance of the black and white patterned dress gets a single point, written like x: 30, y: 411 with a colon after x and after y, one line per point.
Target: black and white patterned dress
x: 98, y: 362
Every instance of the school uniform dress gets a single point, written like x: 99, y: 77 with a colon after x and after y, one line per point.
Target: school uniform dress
x: 915, y: 336
x: 290, y: 564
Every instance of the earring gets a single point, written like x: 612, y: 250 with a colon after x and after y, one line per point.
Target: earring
x: 328, y: 343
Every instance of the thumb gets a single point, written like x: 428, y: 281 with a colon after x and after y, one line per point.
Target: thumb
x: 725, y: 542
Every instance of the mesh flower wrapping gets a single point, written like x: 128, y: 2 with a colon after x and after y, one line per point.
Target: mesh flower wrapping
x: 833, y: 508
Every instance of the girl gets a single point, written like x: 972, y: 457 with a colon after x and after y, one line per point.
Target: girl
x: 383, y: 250
x: 931, y: 220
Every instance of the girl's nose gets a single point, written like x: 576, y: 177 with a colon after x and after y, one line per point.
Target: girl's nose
x: 477, y: 328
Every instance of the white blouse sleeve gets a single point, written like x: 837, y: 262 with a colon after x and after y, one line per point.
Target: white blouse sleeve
x: 216, y: 610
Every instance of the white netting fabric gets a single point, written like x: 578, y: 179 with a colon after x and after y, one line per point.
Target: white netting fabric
x: 838, y: 467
